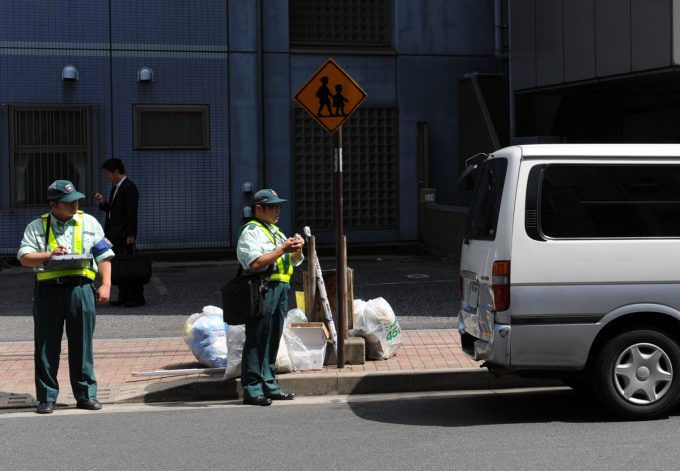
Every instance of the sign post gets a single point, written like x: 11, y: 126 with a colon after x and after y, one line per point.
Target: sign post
x: 330, y: 96
x: 341, y: 269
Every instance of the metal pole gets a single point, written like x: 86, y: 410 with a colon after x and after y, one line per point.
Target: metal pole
x: 340, y: 252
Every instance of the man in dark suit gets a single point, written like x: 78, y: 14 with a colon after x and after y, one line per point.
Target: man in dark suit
x: 121, y: 224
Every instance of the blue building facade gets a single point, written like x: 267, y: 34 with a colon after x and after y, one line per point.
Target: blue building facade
x: 216, y: 116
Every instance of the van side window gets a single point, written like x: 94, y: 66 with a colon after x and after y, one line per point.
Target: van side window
x: 610, y: 201
x: 486, y: 200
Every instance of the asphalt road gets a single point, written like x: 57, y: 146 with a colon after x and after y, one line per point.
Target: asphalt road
x: 421, y: 289
x: 501, y: 430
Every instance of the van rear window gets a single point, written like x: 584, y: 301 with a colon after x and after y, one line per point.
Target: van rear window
x: 486, y: 200
x: 610, y: 201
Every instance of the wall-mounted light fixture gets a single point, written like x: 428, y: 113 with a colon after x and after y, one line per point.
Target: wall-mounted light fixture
x: 70, y: 73
x: 145, y: 74
x: 247, y: 190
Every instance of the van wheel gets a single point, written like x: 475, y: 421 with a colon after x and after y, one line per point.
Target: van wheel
x: 637, y: 374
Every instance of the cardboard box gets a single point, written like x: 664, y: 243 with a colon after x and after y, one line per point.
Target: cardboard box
x: 307, y: 345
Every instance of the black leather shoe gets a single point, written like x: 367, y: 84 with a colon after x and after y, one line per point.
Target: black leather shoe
x: 257, y: 401
x: 282, y: 396
x: 45, y: 408
x: 90, y: 404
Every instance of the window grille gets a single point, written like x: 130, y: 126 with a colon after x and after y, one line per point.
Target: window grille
x: 339, y: 23
x: 47, y: 143
x: 370, y: 171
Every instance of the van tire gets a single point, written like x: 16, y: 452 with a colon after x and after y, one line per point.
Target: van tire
x: 637, y: 374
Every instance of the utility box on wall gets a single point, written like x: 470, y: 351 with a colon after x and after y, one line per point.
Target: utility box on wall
x: 428, y: 195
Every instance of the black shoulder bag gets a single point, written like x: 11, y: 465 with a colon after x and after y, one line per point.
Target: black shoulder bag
x: 243, y: 298
x: 130, y: 268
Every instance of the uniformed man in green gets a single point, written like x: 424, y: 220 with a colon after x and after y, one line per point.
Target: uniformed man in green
x: 64, y: 293
x: 262, y: 247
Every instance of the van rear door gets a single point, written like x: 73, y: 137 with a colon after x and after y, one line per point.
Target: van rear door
x: 482, y: 246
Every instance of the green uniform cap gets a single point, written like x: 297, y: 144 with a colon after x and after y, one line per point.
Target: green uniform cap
x: 63, y: 190
x: 267, y: 196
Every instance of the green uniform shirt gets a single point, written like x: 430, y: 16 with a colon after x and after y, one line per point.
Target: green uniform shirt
x: 34, y: 238
x: 254, y: 242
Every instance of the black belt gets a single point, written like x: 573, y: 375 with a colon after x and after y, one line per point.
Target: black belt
x: 66, y: 281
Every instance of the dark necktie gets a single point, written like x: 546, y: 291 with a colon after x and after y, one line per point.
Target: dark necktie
x: 113, y: 192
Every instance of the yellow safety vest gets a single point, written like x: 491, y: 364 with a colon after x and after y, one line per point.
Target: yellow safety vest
x: 284, y: 264
x: 77, y: 249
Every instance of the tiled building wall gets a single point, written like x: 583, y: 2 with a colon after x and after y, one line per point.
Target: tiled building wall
x: 204, y: 52
x: 184, y: 194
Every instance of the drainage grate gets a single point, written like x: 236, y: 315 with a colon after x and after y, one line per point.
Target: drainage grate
x: 11, y: 400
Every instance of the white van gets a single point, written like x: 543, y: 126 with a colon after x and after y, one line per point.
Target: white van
x: 570, y: 268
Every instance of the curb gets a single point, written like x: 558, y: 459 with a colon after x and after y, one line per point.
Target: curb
x: 210, y: 388
x: 340, y: 383
x: 214, y: 387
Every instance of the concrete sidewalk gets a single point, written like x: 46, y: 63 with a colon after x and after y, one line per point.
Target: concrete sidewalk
x: 428, y: 360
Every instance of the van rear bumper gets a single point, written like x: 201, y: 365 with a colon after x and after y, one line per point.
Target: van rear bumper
x: 495, y: 351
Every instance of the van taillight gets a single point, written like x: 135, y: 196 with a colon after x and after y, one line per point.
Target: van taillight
x: 500, y: 284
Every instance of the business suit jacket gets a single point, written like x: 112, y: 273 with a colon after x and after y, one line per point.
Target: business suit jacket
x: 121, y: 213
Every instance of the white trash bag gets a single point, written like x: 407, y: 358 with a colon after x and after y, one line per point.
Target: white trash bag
x: 205, y: 335
x: 295, y: 315
x: 283, y: 363
x: 375, y: 321
x: 236, y: 338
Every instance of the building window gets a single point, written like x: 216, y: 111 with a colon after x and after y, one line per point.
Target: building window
x: 47, y: 143
x: 370, y: 171
x: 339, y: 23
x: 172, y: 127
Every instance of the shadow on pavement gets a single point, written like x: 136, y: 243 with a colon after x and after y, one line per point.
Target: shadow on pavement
x: 504, y: 408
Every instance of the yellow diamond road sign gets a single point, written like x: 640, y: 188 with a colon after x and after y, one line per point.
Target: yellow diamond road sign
x: 330, y: 96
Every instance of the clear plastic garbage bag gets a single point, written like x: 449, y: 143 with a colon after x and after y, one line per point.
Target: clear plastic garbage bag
x: 205, y: 335
x: 236, y: 338
x: 375, y: 321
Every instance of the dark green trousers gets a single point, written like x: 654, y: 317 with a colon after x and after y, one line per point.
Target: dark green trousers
x: 262, y: 344
x: 54, y: 307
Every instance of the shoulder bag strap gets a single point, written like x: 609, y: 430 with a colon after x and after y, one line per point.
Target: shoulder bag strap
x: 48, y: 228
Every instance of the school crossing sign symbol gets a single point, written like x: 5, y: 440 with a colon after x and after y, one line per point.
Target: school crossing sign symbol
x: 330, y: 96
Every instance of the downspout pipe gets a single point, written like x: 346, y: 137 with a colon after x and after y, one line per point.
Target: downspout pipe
x: 511, y: 94
x: 260, y: 97
x: 504, y: 56
x: 499, y: 28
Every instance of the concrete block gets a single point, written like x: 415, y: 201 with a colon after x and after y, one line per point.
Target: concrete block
x: 317, y: 384
x: 355, y: 352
